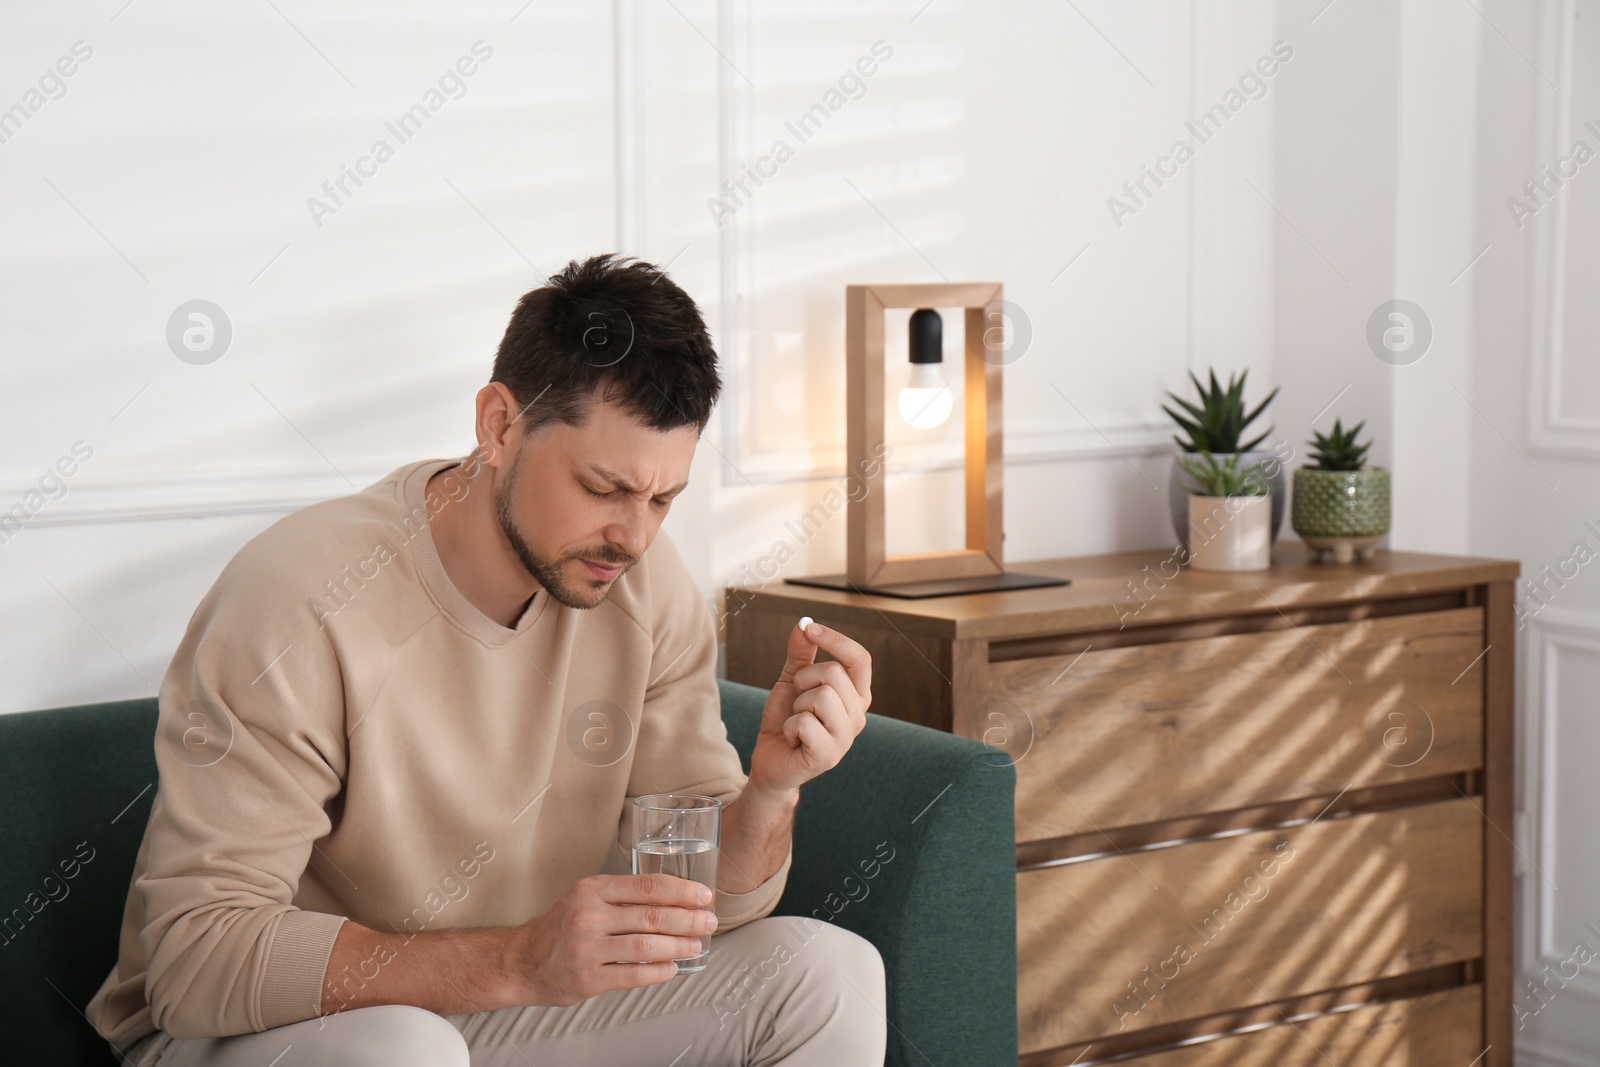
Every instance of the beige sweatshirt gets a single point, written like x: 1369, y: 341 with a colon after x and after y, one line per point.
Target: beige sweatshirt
x: 343, y: 734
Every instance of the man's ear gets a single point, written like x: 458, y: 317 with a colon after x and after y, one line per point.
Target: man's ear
x: 499, y: 426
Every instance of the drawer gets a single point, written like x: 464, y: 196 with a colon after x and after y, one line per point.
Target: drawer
x: 1436, y: 1030
x: 1144, y: 733
x: 1159, y: 935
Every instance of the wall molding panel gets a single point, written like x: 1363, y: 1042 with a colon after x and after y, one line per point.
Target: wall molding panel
x: 145, y: 497
x: 1553, y: 633
x: 1549, y: 430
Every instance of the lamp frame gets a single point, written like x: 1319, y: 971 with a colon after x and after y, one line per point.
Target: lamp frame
x: 867, y: 563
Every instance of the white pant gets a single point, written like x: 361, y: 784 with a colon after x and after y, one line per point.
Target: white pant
x: 780, y: 990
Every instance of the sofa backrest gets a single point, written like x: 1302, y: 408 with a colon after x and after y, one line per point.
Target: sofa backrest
x: 76, y: 786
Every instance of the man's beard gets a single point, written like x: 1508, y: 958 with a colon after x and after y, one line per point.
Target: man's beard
x: 550, y: 576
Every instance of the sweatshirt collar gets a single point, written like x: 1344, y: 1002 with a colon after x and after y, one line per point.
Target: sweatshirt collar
x: 430, y: 567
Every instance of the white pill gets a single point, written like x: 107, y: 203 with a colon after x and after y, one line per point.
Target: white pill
x: 805, y: 622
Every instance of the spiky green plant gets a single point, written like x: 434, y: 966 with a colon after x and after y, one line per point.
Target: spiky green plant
x: 1338, y: 450
x: 1220, y: 419
x: 1224, y: 478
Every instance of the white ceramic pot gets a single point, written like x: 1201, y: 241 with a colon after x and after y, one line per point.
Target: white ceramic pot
x: 1180, y: 486
x: 1230, y: 533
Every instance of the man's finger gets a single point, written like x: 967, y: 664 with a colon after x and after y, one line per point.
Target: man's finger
x: 826, y: 672
x: 828, y: 706
x: 800, y: 652
x: 632, y: 975
x: 818, y: 744
x: 856, y: 659
x: 649, y: 948
x: 656, y: 888
x: 659, y: 919
x: 791, y: 725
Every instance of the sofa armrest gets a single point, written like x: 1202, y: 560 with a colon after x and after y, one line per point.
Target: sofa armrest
x: 909, y: 842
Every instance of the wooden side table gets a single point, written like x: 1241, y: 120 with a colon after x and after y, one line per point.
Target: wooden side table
x: 1263, y: 818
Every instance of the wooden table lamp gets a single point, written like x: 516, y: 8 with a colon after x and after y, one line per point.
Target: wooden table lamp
x: 979, y: 567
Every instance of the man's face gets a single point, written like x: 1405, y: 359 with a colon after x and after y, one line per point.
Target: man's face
x: 598, y: 494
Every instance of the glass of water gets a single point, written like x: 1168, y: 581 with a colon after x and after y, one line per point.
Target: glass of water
x: 679, y: 834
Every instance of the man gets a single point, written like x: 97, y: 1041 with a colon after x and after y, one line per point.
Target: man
x: 400, y: 739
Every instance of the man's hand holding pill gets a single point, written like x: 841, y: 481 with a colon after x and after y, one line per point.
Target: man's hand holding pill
x: 815, y: 710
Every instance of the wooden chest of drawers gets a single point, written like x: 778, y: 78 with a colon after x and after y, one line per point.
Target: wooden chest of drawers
x: 1262, y: 818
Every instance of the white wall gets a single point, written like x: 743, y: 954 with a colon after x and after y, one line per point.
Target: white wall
x: 1535, y: 459
x: 179, y: 162
x: 1333, y: 212
x: 177, y: 165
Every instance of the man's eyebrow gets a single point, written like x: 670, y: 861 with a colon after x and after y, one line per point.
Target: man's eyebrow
x: 621, y: 483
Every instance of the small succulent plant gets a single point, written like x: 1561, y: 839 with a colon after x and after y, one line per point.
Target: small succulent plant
x: 1338, y: 450
x: 1218, y: 422
x: 1214, y: 477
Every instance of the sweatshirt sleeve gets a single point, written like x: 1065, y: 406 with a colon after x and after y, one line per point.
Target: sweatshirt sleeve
x: 250, y: 750
x: 683, y: 744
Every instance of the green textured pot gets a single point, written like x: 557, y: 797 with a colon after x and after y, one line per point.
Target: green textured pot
x: 1341, y: 503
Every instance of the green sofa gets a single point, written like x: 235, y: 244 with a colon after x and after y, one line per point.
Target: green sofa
x: 908, y: 843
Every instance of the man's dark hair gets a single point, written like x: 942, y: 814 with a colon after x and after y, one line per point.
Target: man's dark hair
x: 615, y: 321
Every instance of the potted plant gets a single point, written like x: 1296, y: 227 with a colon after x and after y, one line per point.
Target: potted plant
x: 1230, y: 516
x: 1215, y: 425
x: 1341, y: 506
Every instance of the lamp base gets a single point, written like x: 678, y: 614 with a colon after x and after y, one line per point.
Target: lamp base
x: 985, y: 583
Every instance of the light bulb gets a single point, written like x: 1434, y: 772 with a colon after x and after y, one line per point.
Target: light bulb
x: 925, y: 402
